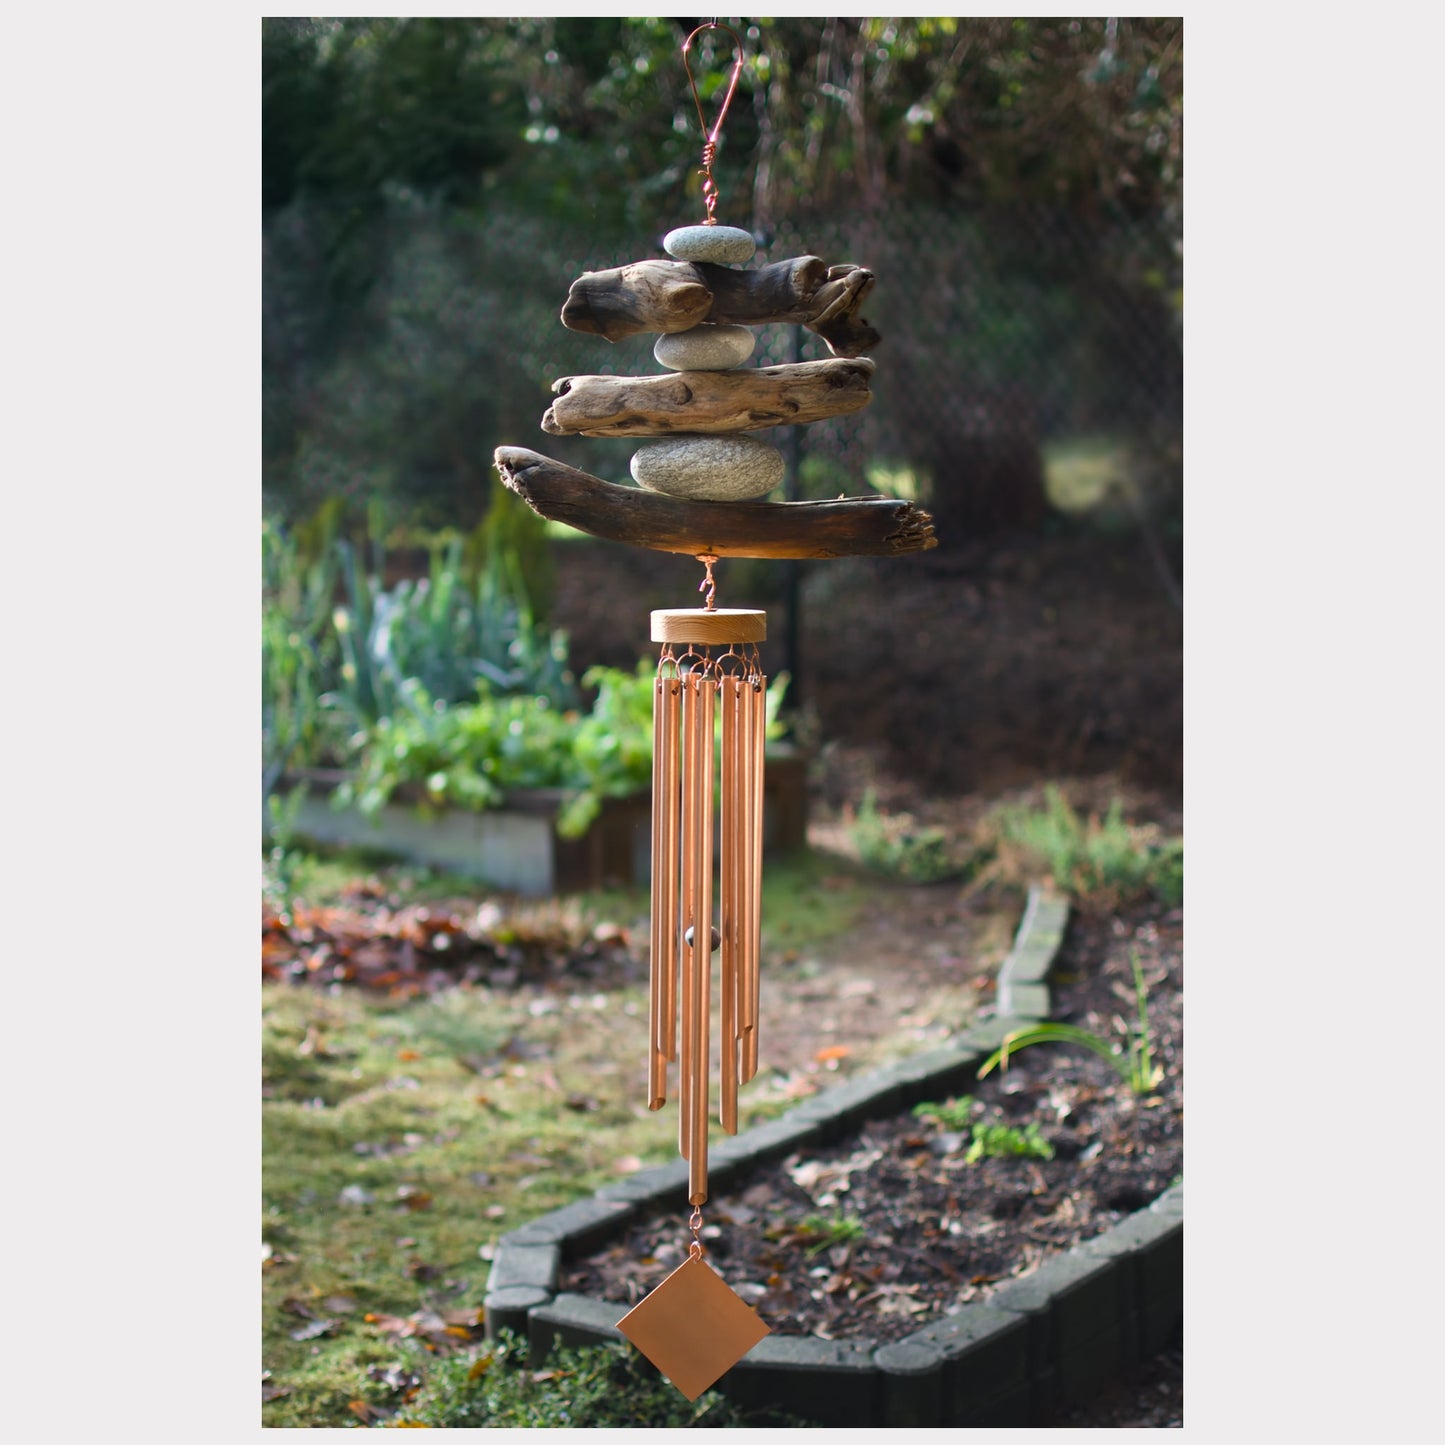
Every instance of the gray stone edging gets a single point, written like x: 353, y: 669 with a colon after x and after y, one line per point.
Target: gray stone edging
x: 1046, y: 1339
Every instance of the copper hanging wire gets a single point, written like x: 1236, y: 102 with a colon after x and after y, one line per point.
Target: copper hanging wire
x: 710, y: 137
x: 708, y: 583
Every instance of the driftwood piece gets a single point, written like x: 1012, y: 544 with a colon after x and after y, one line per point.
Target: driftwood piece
x: 707, y: 403
x: 849, y: 527
x: 668, y: 296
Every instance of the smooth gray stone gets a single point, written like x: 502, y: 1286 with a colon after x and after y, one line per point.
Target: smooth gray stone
x: 709, y: 469
x: 723, y: 245
x: 705, y: 348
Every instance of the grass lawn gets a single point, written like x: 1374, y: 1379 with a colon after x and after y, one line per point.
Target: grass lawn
x: 401, y: 1138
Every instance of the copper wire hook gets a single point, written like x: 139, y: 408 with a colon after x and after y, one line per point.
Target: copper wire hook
x: 710, y: 138
x: 708, y: 583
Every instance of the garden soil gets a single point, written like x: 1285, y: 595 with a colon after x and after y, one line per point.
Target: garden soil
x: 879, y: 1234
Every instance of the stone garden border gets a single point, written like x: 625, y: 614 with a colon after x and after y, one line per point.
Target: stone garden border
x: 1052, y: 1338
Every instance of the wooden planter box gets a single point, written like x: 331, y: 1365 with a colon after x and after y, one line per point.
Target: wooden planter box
x: 517, y: 849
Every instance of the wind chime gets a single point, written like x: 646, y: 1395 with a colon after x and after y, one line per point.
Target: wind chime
x: 699, y: 492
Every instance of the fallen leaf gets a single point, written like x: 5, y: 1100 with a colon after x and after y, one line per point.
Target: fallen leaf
x: 314, y: 1330
x: 363, y: 1411
x: 408, y: 1056
x: 482, y: 1364
x: 833, y: 1051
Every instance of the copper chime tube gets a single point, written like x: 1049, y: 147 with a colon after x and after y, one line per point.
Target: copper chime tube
x: 700, y: 952
x: 687, y: 710
x: 755, y: 699
x: 662, y: 1013
x: 729, y: 908
x: 690, y: 841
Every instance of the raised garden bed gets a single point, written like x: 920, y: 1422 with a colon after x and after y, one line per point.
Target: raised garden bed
x: 518, y: 849
x: 1024, y: 1348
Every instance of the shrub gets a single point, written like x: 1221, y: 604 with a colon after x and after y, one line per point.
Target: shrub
x: 341, y: 653
x: 895, y: 845
x: 471, y: 755
x: 1094, y: 857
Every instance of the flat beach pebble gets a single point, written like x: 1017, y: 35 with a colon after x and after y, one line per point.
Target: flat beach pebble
x: 708, y: 469
x: 722, y: 245
x: 705, y: 348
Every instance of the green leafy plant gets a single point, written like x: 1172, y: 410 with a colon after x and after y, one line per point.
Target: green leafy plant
x: 1095, y: 856
x: 440, y: 637
x: 894, y: 844
x: 1134, y: 1063
x: 1001, y: 1141
x: 587, y: 1387
x: 952, y: 1113
x: 341, y: 652
x: 821, y: 1232
x: 989, y: 1141
x: 299, y: 655
x: 471, y: 755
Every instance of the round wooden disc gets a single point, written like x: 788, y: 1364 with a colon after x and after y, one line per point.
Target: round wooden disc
x: 702, y: 627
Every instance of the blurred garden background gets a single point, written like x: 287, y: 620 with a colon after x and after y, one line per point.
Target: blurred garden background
x: 431, y: 188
